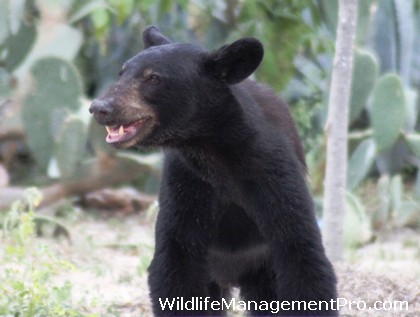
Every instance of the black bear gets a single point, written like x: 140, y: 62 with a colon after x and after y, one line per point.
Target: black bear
x: 235, y: 210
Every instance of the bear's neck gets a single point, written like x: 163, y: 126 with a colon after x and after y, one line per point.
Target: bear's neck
x: 218, y: 158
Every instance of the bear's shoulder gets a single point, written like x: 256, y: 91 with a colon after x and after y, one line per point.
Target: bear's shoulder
x: 274, y: 109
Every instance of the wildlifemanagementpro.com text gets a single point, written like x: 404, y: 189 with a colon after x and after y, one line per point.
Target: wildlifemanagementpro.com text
x: 204, y: 304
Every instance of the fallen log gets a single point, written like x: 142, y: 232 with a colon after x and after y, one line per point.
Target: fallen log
x: 97, y: 174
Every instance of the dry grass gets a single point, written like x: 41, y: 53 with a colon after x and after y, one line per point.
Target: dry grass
x: 111, y: 281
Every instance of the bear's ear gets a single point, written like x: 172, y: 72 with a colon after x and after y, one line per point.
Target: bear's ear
x: 153, y: 37
x: 235, y: 62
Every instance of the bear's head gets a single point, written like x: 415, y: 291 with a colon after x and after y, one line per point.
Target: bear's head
x: 172, y: 92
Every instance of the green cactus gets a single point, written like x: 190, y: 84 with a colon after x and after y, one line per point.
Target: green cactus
x: 405, y: 212
x: 413, y: 141
x: 364, y: 20
x: 381, y: 215
x: 365, y: 73
x: 357, y: 227
x: 11, y: 16
x: 387, y: 111
x: 411, y: 97
x: 97, y: 135
x: 393, y: 206
x: 396, y: 193
x: 70, y: 145
x: 56, y: 86
x: 17, y: 46
x: 360, y: 163
x: 408, y: 215
x: 4, y: 17
x: 64, y: 43
x: 5, y: 86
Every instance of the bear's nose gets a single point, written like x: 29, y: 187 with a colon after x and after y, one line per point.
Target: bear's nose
x: 102, y: 109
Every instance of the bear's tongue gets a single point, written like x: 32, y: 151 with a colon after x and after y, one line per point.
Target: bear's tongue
x: 120, y: 133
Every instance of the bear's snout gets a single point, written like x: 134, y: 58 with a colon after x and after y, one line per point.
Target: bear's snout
x: 102, y: 110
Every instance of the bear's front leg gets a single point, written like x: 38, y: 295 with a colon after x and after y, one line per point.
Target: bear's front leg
x: 303, y: 276
x: 179, y: 284
x: 179, y: 280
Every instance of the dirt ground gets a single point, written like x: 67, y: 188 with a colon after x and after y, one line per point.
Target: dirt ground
x: 111, y: 255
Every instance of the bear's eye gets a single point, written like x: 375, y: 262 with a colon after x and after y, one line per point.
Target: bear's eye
x: 153, y: 79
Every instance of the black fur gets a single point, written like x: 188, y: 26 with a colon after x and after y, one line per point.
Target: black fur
x: 235, y: 209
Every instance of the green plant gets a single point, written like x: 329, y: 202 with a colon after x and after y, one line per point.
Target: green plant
x: 387, y: 113
x: 396, y: 207
x: 365, y: 73
x: 42, y: 89
x: 357, y: 225
x: 55, y: 94
x: 384, y: 109
x: 28, y: 268
x: 46, y: 82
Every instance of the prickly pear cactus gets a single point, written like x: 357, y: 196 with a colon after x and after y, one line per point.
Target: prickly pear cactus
x: 70, y: 145
x: 413, y: 141
x: 357, y: 228
x: 365, y: 73
x: 387, y: 111
x: 360, y: 163
x: 17, y: 46
x: 55, y: 87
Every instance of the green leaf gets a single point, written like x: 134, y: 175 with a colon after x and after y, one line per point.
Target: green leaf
x: 100, y: 18
x: 365, y: 73
x: 124, y: 9
x: 360, y: 163
x: 387, y: 111
x: 82, y: 9
x: 329, y: 11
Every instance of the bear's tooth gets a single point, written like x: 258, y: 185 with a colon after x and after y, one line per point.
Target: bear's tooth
x: 108, y: 129
x: 121, y: 130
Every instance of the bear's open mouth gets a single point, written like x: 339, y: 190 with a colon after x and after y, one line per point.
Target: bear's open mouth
x: 125, y: 132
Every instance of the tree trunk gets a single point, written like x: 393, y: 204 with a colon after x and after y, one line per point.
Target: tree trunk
x: 336, y: 131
